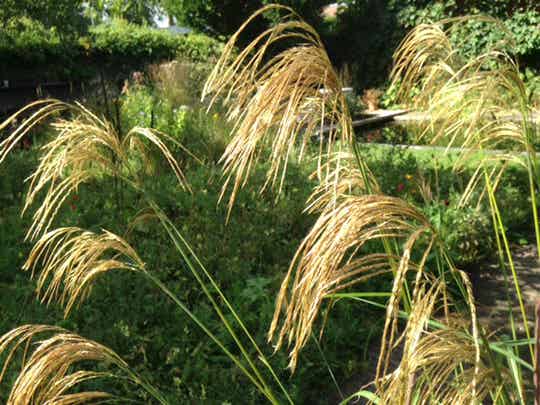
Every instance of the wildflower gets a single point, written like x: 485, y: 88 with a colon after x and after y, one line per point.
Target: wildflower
x: 400, y: 187
x: 373, y: 136
x: 409, y: 177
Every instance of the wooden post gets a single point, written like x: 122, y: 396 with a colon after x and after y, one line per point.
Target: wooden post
x: 537, y: 353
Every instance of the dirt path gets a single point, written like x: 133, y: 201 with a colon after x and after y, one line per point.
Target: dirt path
x: 492, y: 306
x: 491, y: 293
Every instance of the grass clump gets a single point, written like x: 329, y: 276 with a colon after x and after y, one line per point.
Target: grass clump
x: 370, y: 243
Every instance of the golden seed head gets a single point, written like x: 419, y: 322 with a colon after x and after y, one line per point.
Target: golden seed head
x: 72, y: 259
x: 47, y: 373
x: 278, y: 103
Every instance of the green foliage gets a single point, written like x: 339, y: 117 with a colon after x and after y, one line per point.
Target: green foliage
x: 121, y: 41
x: 221, y: 18
x: 524, y: 25
x: 135, y: 11
x: 38, y: 40
x: 27, y: 43
x: 427, y: 180
x: 198, y: 48
x: 532, y: 81
x: 365, y: 33
x: 65, y: 16
x: 520, y: 18
x: 465, y: 231
x: 117, y: 46
x: 74, y: 16
x: 138, y: 109
x: 204, y: 135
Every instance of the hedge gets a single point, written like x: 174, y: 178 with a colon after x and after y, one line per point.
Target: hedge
x: 29, y: 50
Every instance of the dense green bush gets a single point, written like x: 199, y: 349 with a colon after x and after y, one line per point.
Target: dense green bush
x: 126, y: 46
x: 122, y: 41
x: 23, y: 38
x: 117, y: 46
x: 204, y: 135
x: 198, y: 48
x: 428, y: 180
x: 466, y: 232
x: 28, y: 44
x: 248, y: 257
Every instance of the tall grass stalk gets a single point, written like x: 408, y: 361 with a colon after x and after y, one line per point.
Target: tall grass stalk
x: 468, y: 101
x: 277, y: 102
x: 86, y: 148
x: 330, y: 258
x: 500, y: 229
x: 187, y: 253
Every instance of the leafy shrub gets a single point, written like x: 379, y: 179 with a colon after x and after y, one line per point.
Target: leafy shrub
x: 466, y: 232
x: 122, y: 41
x: 139, y: 108
x: 119, y: 45
x: 198, y: 48
x: 26, y: 43
x: 203, y: 134
x: 532, y: 80
x: 25, y: 34
x: 427, y: 178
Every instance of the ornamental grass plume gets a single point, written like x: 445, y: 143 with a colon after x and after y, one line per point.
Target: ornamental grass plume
x: 441, y: 364
x: 71, y: 259
x: 475, y: 103
x: 470, y: 101
x: 277, y: 100
x: 329, y: 259
x: 345, y: 176
x: 50, y: 372
x: 170, y: 80
x: 85, y: 147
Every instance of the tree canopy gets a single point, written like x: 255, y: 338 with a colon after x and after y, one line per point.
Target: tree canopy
x: 223, y: 17
x: 65, y: 15
x: 134, y: 11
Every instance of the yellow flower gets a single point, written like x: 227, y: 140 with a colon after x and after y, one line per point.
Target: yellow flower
x: 408, y: 176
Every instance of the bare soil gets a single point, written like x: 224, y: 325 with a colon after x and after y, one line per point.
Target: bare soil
x: 494, y: 298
